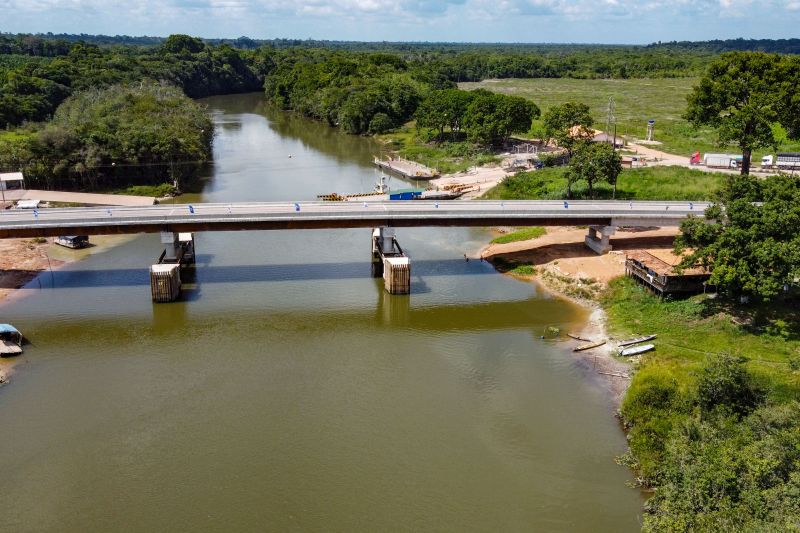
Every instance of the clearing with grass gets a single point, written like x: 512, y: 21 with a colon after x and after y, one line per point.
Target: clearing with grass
x: 652, y: 183
x: 636, y: 102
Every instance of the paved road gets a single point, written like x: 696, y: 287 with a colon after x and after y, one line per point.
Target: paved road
x: 316, y: 215
x: 85, y: 198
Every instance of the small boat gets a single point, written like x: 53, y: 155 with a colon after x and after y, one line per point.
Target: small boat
x: 637, y: 340
x: 588, y: 346
x: 10, y: 340
x: 636, y: 350
x: 577, y: 337
x: 73, y: 241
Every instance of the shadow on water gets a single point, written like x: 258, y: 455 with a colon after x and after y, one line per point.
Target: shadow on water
x: 129, y: 277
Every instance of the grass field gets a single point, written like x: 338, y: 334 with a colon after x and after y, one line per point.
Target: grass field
x: 652, y: 183
x: 522, y: 235
x: 636, y: 102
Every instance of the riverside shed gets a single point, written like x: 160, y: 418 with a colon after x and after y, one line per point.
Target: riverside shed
x: 11, y: 181
x: 658, y: 273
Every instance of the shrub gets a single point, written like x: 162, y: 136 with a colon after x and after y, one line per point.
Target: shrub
x: 725, y: 383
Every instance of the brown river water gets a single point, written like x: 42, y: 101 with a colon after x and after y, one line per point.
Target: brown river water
x: 288, y: 392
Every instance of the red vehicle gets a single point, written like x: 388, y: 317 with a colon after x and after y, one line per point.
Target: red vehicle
x: 695, y: 159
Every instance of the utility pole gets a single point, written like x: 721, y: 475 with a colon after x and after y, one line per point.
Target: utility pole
x: 610, y: 119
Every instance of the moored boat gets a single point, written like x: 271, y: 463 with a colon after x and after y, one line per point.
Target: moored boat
x: 636, y: 350
x: 10, y: 340
x: 73, y: 241
x: 588, y: 346
x: 637, y: 340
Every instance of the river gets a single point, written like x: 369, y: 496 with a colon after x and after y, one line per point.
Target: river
x: 288, y: 392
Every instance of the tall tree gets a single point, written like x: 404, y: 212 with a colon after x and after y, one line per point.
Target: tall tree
x: 492, y: 118
x: 742, y: 96
x: 568, y: 124
x: 443, y: 108
x: 593, y: 163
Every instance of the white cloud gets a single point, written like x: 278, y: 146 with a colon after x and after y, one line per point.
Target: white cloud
x: 466, y: 20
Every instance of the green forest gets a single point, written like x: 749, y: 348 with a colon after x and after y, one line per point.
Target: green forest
x: 363, y: 88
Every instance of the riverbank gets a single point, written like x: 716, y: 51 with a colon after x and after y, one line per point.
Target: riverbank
x: 21, y: 260
x: 561, y: 263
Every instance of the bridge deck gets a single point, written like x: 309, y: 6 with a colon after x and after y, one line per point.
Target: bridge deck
x: 318, y: 215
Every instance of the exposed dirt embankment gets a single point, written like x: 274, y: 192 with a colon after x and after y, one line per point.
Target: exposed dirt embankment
x: 563, y: 264
x: 21, y: 260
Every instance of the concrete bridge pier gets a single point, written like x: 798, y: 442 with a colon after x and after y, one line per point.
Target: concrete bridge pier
x: 390, y: 262
x: 598, y: 238
x: 165, y: 275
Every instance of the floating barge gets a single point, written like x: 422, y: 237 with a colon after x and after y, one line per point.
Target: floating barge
x: 408, y: 169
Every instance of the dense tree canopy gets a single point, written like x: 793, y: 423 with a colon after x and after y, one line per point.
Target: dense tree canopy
x: 443, y: 108
x: 140, y: 134
x: 491, y: 118
x: 34, y: 84
x: 752, y: 246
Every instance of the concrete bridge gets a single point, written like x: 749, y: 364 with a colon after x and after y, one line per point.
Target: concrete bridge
x: 173, y: 220
x: 317, y: 215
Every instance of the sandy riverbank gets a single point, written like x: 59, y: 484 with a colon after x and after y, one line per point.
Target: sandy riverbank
x: 480, y: 178
x: 567, y: 268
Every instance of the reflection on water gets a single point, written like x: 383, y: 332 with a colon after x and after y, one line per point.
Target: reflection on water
x: 288, y: 392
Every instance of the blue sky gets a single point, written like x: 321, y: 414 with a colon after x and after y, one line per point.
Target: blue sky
x: 601, y: 21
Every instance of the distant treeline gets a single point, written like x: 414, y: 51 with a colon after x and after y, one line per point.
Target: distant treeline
x: 38, y: 72
x: 717, y: 46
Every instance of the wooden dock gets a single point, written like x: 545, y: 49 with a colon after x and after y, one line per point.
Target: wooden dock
x: 408, y: 169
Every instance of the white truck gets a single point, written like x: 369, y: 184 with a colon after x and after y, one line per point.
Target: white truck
x: 788, y: 161
x: 722, y: 160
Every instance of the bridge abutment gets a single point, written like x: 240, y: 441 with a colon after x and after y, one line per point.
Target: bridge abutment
x: 598, y: 238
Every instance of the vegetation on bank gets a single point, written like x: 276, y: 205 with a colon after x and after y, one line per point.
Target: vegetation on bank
x: 107, y: 138
x: 650, y: 183
x: 712, y: 414
x: 525, y: 234
x: 447, y: 157
x: 36, y: 78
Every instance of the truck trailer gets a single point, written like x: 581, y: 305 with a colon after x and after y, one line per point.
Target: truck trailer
x: 788, y: 161
x: 722, y: 160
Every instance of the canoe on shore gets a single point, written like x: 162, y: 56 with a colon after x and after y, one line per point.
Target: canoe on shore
x: 577, y: 337
x: 588, y: 346
x: 637, y: 340
x: 636, y: 350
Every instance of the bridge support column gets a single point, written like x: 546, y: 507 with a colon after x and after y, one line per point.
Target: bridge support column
x: 598, y: 238
x: 165, y: 275
x: 390, y: 262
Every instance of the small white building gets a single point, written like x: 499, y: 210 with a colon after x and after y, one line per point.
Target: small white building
x: 11, y: 181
